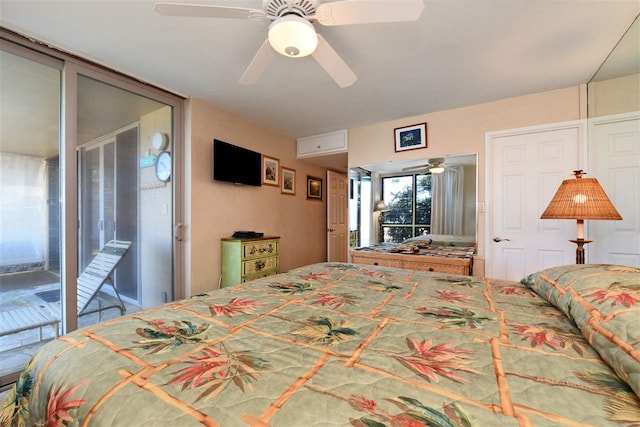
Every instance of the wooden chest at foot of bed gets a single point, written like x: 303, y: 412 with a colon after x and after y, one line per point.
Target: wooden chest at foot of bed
x: 460, y: 266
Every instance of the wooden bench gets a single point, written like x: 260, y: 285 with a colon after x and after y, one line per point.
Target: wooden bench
x: 31, y: 317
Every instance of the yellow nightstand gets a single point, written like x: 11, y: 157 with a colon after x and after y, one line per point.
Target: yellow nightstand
x: 248, y: 259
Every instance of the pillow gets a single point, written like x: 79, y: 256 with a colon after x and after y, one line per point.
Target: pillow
x: 604, y: 302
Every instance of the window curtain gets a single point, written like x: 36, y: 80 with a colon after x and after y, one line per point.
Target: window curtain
x: 22, y: 210
x: 376, y: 188
x: 447, y: 201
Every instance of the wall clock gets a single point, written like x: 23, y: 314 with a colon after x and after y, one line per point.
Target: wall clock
x: 159, y: 141
x: 163, y: 166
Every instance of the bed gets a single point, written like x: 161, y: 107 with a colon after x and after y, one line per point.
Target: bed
x: 336, y: 344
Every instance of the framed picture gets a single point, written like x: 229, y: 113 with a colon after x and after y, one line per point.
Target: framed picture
x: 270, y: 170
x: 314, y: 188
x: 287, y: 181
x: 411, y: 137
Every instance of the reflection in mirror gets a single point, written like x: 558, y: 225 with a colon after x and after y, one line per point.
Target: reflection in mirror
x: 422, y: 197
x: 615, y: 88
x: 359, y: 206
x: 613, y: 147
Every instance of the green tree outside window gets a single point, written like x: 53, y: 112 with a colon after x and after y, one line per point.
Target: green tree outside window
x: 409, y: 200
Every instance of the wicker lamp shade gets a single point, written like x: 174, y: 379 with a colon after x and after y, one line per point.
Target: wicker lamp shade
x: 580, y: 198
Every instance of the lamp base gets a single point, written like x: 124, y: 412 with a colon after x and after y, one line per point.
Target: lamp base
x: 580, y: 249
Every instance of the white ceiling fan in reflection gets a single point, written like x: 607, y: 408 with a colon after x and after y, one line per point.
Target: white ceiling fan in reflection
x: 292, y: 32
x: 432, y: 166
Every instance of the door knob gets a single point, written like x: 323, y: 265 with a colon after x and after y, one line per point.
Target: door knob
x: 498, y: 240
x: 330, y: 230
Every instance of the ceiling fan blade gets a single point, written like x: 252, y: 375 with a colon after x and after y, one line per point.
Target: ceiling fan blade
x: 207, y: 11
x: 329, y: 59
x: 368, y: 11
x: 258, y: 64
x: 413, y: 168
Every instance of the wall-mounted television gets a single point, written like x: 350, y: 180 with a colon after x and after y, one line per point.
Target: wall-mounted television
x: 236, y: 164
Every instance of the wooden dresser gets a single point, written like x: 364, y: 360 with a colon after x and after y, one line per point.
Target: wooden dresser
x: 248, y: 259
x: 451, y: 263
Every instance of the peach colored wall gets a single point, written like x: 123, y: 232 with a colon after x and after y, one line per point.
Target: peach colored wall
x: 218, y: 209
x: 614, y: 96
x: 462, y: 131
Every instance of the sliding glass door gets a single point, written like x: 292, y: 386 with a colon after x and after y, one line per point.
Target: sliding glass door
x: 108, y: 185
x: 97, y: 220
x: 78, y: 149
x: 120, y: 135
x: 30, y: 234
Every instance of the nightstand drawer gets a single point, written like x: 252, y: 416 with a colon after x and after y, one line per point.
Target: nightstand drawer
x: 258, y: 265
x: 449, y: 268
x: 378, y: 261
x: 259, y: 249
x: 259, y: 275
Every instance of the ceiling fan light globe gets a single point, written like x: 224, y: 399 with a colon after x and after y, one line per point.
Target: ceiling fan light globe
x: 436, y: 169
x: 293, y: 36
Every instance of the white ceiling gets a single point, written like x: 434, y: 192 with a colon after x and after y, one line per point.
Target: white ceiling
x: 459, y: 53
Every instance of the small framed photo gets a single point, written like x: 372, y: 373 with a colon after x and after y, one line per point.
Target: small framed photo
x: 270, y: 171
x: 314, y: 188
x: 287, y: 181
x: 411, y: 137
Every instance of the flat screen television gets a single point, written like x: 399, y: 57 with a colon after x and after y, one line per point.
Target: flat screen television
x: 236, y: 164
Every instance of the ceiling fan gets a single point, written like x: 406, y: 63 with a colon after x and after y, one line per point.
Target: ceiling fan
x: 292, y: 32
x: 433, y: 166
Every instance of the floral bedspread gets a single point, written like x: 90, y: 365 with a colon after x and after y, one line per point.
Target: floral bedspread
x: 330, y: 345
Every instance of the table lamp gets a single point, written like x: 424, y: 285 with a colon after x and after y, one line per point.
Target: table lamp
x: 580, y: 199
x: 380, y: 207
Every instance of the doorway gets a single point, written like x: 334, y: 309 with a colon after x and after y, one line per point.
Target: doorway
x: 337, y: 214
x: 108, y: 195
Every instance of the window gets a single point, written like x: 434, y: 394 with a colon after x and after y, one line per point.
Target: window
x: 409, y: 200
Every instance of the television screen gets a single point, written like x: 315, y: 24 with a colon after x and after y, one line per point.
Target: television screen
x: 236, y: 164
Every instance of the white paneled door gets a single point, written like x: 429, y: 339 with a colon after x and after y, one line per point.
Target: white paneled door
x: 614, y: 154
x: 525, y: 168
x: 337, y: 214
